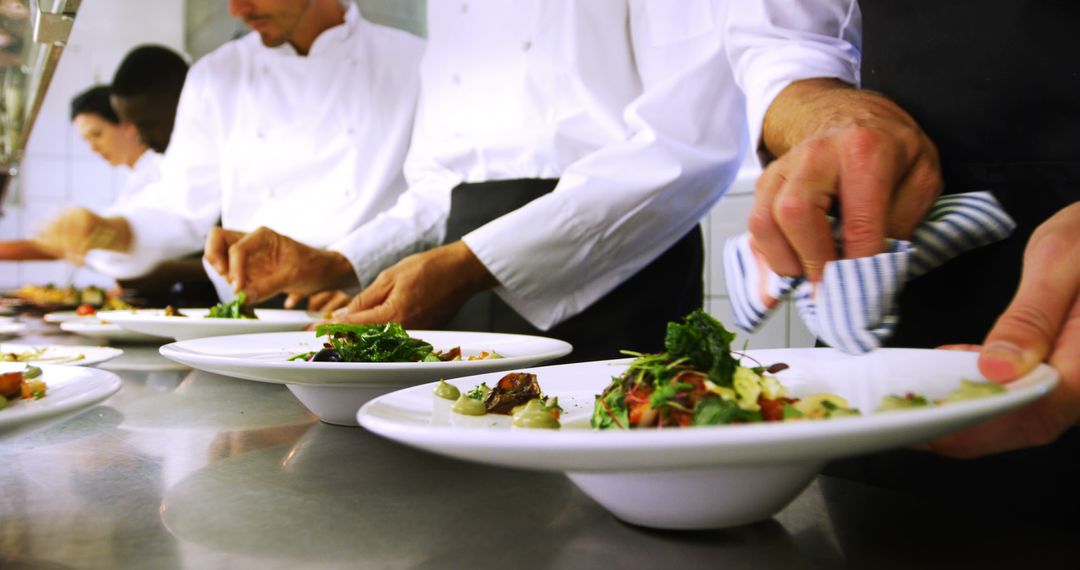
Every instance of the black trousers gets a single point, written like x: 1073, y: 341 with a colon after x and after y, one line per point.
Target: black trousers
x: 633, y: 316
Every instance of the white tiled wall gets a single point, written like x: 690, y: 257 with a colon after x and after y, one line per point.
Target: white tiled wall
x: 59, y: 169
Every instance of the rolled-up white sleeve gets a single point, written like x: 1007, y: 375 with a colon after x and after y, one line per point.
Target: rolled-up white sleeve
x: 172, y: 216
x: 772, y: 43
x: 617, y: 209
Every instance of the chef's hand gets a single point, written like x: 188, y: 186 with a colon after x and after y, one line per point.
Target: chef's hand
x: 838, y: 143
x: 1041, y: 324
x: 327, y: 302
x: 264, y: 263
x: 421, y: 291
x: 78, y: 230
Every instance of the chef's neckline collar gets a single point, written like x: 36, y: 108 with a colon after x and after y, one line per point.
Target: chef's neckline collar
x: 329, y: 38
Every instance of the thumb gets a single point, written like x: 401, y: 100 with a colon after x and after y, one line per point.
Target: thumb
x: 1025, y: 333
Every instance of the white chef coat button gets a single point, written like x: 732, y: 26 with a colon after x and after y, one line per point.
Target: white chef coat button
x: 526, y: 46
x: 456, y: 79
x: 464, y: 8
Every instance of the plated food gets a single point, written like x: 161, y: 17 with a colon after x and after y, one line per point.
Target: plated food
x: 57, y: 354
x: 334, y: 390
x: 86, y: 300
x: 384, y: 342
x: 727, y: 466
x: 67, y: 389
x: 26, y: 384
x: 156, y: 322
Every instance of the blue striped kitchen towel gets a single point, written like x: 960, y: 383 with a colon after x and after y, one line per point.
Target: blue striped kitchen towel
x: 853, y: 308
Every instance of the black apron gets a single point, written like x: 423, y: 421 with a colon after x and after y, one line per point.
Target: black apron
x: 633, y: 316
x: 996, y: 85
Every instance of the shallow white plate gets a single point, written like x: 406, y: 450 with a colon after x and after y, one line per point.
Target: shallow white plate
x: 91, y: 327
x: 64, y: 355
x: 63, y: 316
x: 196, y: 325
x: 12, y: 329
x: 711, y: 476
x: 335, y: 390
x: 69, y: 388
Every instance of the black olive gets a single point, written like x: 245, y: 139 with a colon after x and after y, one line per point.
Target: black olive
x: 327, y: 355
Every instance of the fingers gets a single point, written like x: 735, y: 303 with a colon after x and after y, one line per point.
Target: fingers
x: 765, y: 235
x: 802, y: 206
x: 915, y: 195
x: 362, y: 305
x: 1024, y: 335
x: 328, y: 301
x: 871, y: 171
x: 216, y: 250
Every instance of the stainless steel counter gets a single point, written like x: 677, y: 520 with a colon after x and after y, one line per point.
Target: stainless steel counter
x: 183, y: 469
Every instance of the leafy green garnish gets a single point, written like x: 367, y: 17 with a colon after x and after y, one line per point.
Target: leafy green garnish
x: 478, y: 393
x: 705, y: 345
x: 791, y: 412
x: 235, y: 309
x: 387, y: 342
x: 716, y: 411
x: 610, y: 410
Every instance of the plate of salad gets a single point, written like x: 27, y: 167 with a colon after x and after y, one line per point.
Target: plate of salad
x: 731, y: 437
x: 336, y: 368
x: 231, y: 318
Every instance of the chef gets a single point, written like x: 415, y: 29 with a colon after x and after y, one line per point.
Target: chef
x: 146, y: 91
x: 974, y: 95
x: 563, y: 157
x: 300, y: 127
x: 118, y: 143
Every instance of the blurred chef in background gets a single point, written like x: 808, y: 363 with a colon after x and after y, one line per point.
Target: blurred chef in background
x: 116, y: 142
x: 295, y: 133
x: 153, y: 74
x: 563, y: 157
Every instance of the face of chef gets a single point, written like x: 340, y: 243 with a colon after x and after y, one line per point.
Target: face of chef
x: 116, y: 143
x: 152, y: 116
x: 274, y: 20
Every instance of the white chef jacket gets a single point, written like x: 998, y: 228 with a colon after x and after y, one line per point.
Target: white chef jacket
x: 772, y: 43
x: 309, y: 146
x: 137, y: 187
x: 630, y: 104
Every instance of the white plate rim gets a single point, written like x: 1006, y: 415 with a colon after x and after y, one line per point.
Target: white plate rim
x: 103, y: 384
x: 104, y: 353
x: 441, y: 439
x: 180, y: 352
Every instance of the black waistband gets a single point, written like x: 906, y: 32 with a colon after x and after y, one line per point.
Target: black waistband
x: 477, y: 203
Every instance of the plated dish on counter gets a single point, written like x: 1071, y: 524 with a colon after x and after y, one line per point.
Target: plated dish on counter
x: 51, y: 391
x: 335, y: 389
x: 94, y: 328
x: 57, y: 354
x: 732, y: 442
x: 190, y: 323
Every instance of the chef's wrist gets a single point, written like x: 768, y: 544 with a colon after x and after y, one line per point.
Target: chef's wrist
x: 474, y: 276
x: 335, y: 271
x: 117, y: 233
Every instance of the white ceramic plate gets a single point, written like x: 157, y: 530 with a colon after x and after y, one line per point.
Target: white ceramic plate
x: 69, y: 388
x: 12, y: 329
x: 91, y: 327
x: 57, y: 317
x: 64, y: 355
x: 335, y: 390
x: 712, y: 476
x: 196, y: 325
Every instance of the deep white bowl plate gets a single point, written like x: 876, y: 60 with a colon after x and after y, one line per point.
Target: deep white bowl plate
x: 196, y: 325
x: 334, y: 391
x: 711, y: 477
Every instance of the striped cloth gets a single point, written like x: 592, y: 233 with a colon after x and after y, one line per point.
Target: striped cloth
x: 853, y: 308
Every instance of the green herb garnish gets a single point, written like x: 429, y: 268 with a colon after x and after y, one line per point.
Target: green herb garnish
x: 235, y: 309
x: 386, y: 342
